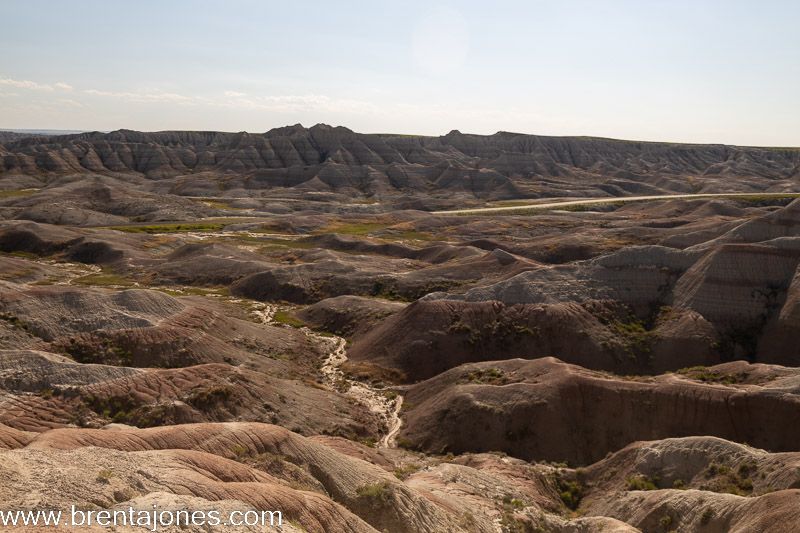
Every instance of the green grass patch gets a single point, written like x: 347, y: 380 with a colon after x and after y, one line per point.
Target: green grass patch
x: 23, y: 255
x: 285, y: 318
x: 104, y: 279
x: 16, y: 193
x: 765, y: 196
x: 410, y: 235
x: 580, y: 208
x: 220, y: 204
x: 513, y: 203
x: 171, y: 228
x: 194, y: 291
x: 765, y: 200
x: 276, y: 243
x: 354, y: 228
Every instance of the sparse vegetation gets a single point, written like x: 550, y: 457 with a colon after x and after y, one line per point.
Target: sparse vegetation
x: 376, y: 495
x: 570, y: 491
x: 105, y: 351
x: 194, y: 291
x: 104, y: 476
x: 382, y: 289
x: 763, y: 200
x: 16, y: 193
x: 104, y: 278
x: 514, y: 503
x: 642, y: 482
x: 500, y: 333
x: 723, y: 478
x: 609, y: 205
x: 403, y: 472
x: 635, y: 336
x: 704, y: 374
x: 492, y: 376
x: 277, y: 243
x: 14, y: 321
x: 207, y: 399
x: 552, y: 343
x: 239, y: 451
x: 509, y: 522
x: 287, y: 319
x: 46, y: 393
x: 405, y: 443
x: 180, y: 227
x: 353, y: 228
x: 117, y: 408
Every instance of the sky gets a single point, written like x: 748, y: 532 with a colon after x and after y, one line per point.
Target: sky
x: 662, y: 70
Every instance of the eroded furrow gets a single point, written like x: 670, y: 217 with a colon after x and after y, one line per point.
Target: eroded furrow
x: 385, y: 403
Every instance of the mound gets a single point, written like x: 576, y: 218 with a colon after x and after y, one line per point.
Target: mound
x: 431, y: 336
x: 98, y: 201
x: 548, y: 410
x: 111, y: 479
x: 208, y: 264
x: 348, y: 316
x: 41, y: 391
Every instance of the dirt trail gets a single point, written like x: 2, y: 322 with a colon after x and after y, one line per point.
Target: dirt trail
x: 70, y: 271
x: 610, y: 200
x: 385, y: 403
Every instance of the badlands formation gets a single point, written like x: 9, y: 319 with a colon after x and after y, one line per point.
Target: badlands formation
x: 289, y: 321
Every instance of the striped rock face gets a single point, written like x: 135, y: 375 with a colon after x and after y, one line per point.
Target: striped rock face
x: 372, y: 333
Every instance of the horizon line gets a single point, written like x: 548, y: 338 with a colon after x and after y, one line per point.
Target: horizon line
x: 66, y: 132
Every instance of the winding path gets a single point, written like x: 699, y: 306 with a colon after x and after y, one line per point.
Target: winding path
x: 612, y: 200
x: 387, y: 406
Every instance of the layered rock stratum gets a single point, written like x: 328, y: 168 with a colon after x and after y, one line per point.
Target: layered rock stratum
x: 292, y: 321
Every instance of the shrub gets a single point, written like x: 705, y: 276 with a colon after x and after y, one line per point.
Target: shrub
x: 377, y: 494
x: 493, y: 376
x: 402, y: 472
x: 570, y: 492
x: 207, y: 398
x: 104, y: 476
x: 642, y: 482
x: 239, y: 450
x: 513, y: 503
x: 734, y: 482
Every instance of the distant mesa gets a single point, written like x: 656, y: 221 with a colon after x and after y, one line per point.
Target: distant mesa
x: 334, y: 158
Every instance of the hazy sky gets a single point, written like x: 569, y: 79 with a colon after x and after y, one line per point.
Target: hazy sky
x: 695, y: 71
